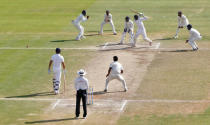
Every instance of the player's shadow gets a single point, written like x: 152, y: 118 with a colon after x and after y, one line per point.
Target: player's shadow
x: 168, y: 38
x: 180, y: 50
x: 33, y: 95
x: 93, y: 34
x: 62, y: 40
x: 53, y: 120
x: 102, y: 92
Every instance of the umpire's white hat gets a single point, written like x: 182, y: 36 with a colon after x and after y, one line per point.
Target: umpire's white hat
x: 81, y: 72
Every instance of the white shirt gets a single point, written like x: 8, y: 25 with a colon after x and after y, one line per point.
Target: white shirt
x: 81, y: 83
x: 109, y: 17
x: 57, y: 60
x: 183, y: 21
x: 129, y: 25
x: 194, y: 34
x: 80, y: 18
x: 116, y: 68
x: 140, y: 23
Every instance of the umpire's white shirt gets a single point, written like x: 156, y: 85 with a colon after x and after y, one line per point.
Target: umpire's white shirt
x: 194, y: 35
x: 116, y: 68
x: 81, y: 83
x: 57, y: 60
x: 79, y: 19
x: 182, y: 21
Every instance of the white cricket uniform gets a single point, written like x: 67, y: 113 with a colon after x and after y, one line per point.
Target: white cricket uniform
x: 81, y: 83
x: 194, y: 35
x: 182, y: 22
x: 107, y: 19
x: 141, y: 30
x: 57, y: 60
x: 129, y: 27
x: 76, y: 22
x: 115, y: 73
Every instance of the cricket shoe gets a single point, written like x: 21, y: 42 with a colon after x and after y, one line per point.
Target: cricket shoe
x: 175, y: 37
x: 105, y: 90
x: 115, y: 33
x: 83, y: 37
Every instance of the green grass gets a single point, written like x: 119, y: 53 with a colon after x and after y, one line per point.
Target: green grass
x: 46, y: 23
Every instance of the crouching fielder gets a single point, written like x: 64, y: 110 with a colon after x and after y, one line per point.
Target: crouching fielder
x: 194, y: 35
x: 108, y: 19
x: 141, y: 29
x: 182, y: 22
x: 81, y: 18
x: 114, y: 72
x: 129, y: 28
x: 57, y: 60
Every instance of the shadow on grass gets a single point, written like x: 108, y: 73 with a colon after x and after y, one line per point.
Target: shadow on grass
x: 53, y: 120
x: 168, y: 38
x: 95, y: 34
x: 62, y: 40
x: 181, y: 50
x: 32, y: 95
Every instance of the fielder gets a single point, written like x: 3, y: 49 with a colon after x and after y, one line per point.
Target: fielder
x: 129, y: 28
x: 56, y: 60
x: 81, y: 86
x: 114, y: 72
x: 194, y: 35
x: 182, y: 22
x: 141, y: 29
x: 81, y: 18
x: 108, y: 19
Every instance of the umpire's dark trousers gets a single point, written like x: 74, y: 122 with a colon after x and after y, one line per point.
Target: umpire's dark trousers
x: 81, y: 94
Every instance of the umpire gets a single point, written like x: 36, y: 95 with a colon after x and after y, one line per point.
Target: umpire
x: 81, y: 86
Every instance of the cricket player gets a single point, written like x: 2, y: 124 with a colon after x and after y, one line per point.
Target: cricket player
x: 81, y: 18
x: 141, y: 29
x: 129, y: 28
x: 81, y: 86
x: 194, y: 35
x: 114, y: 72
x: 182, y: 22
x: 57, y: 60
x: 108, y: 19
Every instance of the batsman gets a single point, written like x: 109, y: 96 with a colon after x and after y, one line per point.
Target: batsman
x: 57, y: 59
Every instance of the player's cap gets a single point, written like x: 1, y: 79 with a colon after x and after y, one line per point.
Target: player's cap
x: 81, y: 72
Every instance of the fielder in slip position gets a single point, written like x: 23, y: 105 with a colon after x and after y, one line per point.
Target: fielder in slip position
x: 194, y: 35
x: 182, y: 22
x: 81, y: 18
x: 108, y: 19
x: 114, y: 72
x: 81, y: 86
x: 129, y: 28
x: 141, y: 29
x: 56, y: 60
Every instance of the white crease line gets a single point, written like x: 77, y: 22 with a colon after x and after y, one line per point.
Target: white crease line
x: 157, y: 46
x: 105, y: 45
x: 123, y: 105
x: 55, y: 104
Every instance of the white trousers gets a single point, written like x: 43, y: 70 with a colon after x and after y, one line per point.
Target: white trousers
x: 143, y: 34
x: 124, y: 35
x: 177, y: 31
x: 193, y: 43
x: 118, y: 77
x: 111, y: 23
x: 56, y: 80
x: 81, y: 30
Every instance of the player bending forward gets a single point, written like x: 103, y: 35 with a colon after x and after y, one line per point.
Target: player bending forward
x: 129, y: 28
x: 141, y: 29
x: 57, y: 60
x: 182, y: 22
x: 108, y: 19
x: 114, y: 72
x: 81, y: 18
x: 194, y: 35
